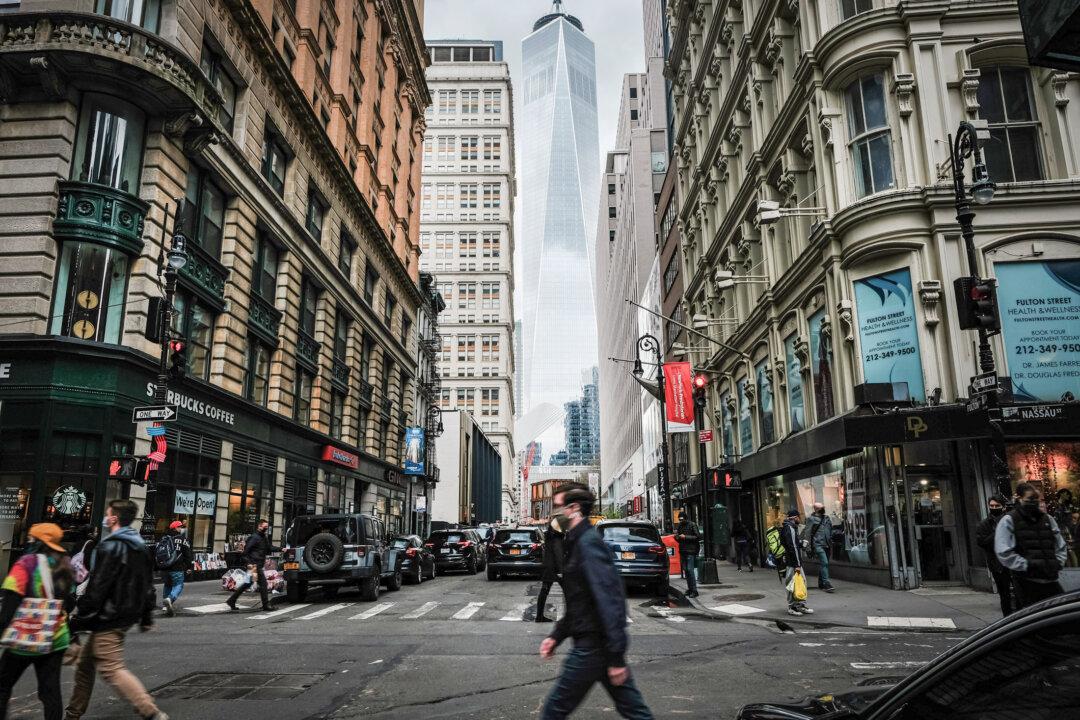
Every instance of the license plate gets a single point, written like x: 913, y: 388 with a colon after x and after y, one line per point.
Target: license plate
x: 629, y: 556
x: 445, y: 551
x: 515, y: 551
x: 292, y: 566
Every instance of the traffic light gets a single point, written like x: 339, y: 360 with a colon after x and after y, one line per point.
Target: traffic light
x: 177, y: 360
x: 976, y: 304
x: 701, y: 380
x: 154, y: 316
x: 732, y: 479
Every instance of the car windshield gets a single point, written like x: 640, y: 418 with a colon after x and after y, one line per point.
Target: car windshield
x: 630, y: 533
x: 515, y: 536
x: 399, y: 543
x: 305, y: 528
x: 448, y: 537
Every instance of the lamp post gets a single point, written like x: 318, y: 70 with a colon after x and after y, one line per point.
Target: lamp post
x: 648, y: 343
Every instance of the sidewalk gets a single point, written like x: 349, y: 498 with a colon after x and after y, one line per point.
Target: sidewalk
x: 761, y: 595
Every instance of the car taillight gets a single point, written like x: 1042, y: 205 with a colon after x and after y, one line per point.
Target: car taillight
x: 656, y: 549
x: 360, y: 550
x: 534, y: 546
x: 411, y: 552
x: 429, y: 545
x: 465, y: 543
x: 288, y: 554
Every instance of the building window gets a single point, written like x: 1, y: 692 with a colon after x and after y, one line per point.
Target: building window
x: 492, y: 244
x: 366, y: 347
x: 633, y: 114
x: 309, y: 303
x: 346, y: 250
x: 194, y: 322
x: 91, y: 284
x: 671, y: 274
x: 257, y: 375
x: 611, y: 189
x: 208, y: 201
x: 493, y: 102
x: 447, y: 102
x: 341, y: 336
x: 489, y: 348
x: 146, y: 14
x: 492, y: 147
x: 264, y: 272
x: 1005, y: 102
x: 316, y: 214
x: 489, y: 402
x: 275, y: 159
x: 633, y: 92
x: 337, y: 414
x: 470, y: 147
x: 469, y: 193
x: 871, y: 137
x: 851, y: 8
x: 335, y: 494
x: 327, y: 41
x: 109, y: 143
x: 611, y: 211
x: 470, y: 102
x: 492, y: 195
x: 388, y: 308
x: 300, y: 491
x: 371, y: 280
x: 212, y: 64
x: 466, y: 348
x: 252, y: 487
x: 305, y: 382
x: 406, y: 328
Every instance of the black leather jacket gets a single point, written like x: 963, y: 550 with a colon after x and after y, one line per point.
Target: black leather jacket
x: 256, y: 549
x: 120, y: 592
x: 553, y: 555
x: 595, y: 600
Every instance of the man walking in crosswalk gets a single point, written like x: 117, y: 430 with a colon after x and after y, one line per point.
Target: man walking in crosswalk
x: 595, y: 617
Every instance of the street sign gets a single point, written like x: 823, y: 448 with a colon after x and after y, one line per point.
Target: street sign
x: 157, y: 413
x: 986, y: 382
x: 1018, y: 413
x: 977, y: 403
x: 704, y: 436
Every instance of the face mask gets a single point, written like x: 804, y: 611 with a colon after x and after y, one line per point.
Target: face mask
x: 105, y: 524
x: 996, y: 511
x: 1031, y: 505
x: 562, y: 518
x: 555, y: 524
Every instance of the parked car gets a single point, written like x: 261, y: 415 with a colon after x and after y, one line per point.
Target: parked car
x: 457, y: 550
x: 640, y: 556
x: 1024, y: 666
x: 516, y: 550
x: 332, y: 551
x: 418, y: 562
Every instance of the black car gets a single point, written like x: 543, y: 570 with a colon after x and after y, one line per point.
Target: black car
x: 457, y: 550
x: 1023, y: 667
x: 516, y: 550
x: 418, y: 563
x: 639, y: 554
x: 332, y: 551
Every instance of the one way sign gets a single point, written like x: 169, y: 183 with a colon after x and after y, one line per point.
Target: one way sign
x: 159, y: 413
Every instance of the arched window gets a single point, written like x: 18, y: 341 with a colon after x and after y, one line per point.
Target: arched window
x: 1006, y: 103
x: 871, y: 136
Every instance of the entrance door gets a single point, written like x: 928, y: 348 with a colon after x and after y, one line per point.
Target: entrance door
x: 933, y: 522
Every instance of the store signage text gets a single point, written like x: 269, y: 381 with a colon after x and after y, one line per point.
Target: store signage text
x: 705, y: 436
x: 1033, y: 412
x: 194, y: 405
x: 340, y: 457
x: 5, y: 371
x: 189, y: 502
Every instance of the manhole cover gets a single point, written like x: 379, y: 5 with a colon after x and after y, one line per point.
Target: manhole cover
x: 738, y: 597
x: 238, y: 686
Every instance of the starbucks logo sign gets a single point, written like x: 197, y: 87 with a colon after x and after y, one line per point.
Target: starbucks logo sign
x: 69, y: 500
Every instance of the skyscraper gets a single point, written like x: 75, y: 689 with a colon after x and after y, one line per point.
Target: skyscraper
x: 560, y: 171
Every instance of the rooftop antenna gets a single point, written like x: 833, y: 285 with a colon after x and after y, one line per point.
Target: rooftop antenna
x: 556, y: 6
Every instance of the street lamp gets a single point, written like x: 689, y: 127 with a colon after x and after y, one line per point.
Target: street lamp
x: 648, y: 343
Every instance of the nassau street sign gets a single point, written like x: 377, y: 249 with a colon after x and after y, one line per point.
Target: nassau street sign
x: 158, y: 413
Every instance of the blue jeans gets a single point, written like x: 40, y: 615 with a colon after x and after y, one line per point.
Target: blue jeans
x: 584, y: 667
x: 823, y: 572
x: 174, y: 585
x: 689, y: 569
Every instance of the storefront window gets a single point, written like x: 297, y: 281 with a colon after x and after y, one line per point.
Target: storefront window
x: 109, y: 143
x: 70, y: 477
x: 300, y: 491
x: 18, y: 460
x: 187, y: 488
x: 1054, y: 469
x: 252, y: 488
x: 91, y: 283
x: 334, y: 501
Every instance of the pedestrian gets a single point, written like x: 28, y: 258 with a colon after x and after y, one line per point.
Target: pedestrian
x: 553, y: 564
x: 174, y: 556
x: 818, y: 535
x: 256, y: 549
x: 43, y: 572
x: 1028, y: 543
x: 984, y: 538
x: 595, y: 616
x: 789, y: 537
x: 120, y: 594
x: 743, y: 542
x: 686, y: 534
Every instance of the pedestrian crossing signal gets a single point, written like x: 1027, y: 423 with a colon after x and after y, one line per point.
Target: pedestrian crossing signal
x: 122, y: 467
x: 725, y: 477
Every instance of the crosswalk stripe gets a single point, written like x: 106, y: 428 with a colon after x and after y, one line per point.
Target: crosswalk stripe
x: 215, y: 608
x: 372, y: 612
x: 468, y: 611
x: 282, y: 611
x: 420, y: 611
x: 515, y: 614
x: 324, y: 611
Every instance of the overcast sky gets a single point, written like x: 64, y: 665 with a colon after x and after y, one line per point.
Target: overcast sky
x: 614, y: 26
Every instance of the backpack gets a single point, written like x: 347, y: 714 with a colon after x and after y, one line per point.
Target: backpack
x: 166, y: 552
x: 776, y: 548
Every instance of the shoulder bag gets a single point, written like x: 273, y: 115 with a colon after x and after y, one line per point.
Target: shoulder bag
x: 37, y: 620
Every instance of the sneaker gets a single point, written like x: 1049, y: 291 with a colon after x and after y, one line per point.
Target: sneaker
x: 794, y: 611
x: 169, y: 609
x: 805, y: 610
x: 231, y: 604
x: 828, y: 589
x: 544, y: 619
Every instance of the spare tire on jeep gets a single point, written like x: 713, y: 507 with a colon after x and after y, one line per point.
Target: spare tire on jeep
x: 324, y: 552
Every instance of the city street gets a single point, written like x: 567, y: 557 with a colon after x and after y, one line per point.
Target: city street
x: 463, y: 647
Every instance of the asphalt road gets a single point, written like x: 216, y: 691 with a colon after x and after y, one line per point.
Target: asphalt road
x: 463, y: 647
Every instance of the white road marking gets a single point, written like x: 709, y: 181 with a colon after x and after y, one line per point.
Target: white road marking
x: 737, y: 609
x: 282, y: 611
x: 812, y: 644
x: 215, y: 608
x: 910, y: 622
x: 420, y: 611
x: 468, y: 611
x: 515, y: 614
x: 325, y: 611
x: 899, y: 665
x: 372, y: 612
x: 665, y: 613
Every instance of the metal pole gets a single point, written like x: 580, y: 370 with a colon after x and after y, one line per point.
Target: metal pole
x: 648, y: 342
x: 699, y: 422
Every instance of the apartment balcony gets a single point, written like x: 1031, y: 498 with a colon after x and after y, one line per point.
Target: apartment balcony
x: 264, y: 319
x: 367, y: 390
x: 307, y: 351
x: 95, y: 212
x: 339, y: 375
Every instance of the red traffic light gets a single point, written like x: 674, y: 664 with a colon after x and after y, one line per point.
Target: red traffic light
x: 700, y: 381
x: 176, y: 346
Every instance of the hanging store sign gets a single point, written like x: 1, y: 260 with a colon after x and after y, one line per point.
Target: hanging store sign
x: 340, y: 457
x: 1039, y: 306
x: 679, y: 396
x: 889, y: 332
x: 191, y: 502
x: 414, y: 451
x: 705, y: 436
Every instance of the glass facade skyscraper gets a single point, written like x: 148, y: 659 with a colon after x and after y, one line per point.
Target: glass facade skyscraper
x: 560, y: 172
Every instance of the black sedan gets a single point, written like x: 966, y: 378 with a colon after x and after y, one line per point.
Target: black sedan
x: 457, y: 550
x: 639, y: 554
x: 1024, y: 667
x: 418, y: 563
x: 516, y: 550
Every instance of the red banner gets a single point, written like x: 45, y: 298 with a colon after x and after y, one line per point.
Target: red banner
x: 679, y: 394
x: 341, y: 457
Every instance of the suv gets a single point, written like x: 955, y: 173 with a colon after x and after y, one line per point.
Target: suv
x: 331, y: 551
x: 640, y: 555
x: 516, y: 550
x: 457, y: 550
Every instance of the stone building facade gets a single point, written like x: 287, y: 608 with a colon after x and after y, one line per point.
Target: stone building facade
x: 293, y: 132
x: 842, y: 112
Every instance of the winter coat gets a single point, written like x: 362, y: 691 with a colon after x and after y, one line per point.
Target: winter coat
x: 553, y: 555
x: 690, y: 543
x: 818, y: 532
x: 185, y: 557
x: 256, y: 549
x: 120, y: 591
x: 984, y: 538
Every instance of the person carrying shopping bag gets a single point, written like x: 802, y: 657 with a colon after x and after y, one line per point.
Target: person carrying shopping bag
x: 789, y: 538
x: 37, y: 596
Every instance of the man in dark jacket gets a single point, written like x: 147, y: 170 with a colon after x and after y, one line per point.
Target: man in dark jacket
x: 1028, y: 543
x: 984, y: 538
x: 595, y: 617
x: 686, y: 534
x: 176, y: 541
x: 789, y: 538
x: 553, y: 562
x: 119, y: 594
x: 255, y: 551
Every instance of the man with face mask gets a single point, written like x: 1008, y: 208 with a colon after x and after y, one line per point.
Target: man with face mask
x: 180, y: 556
x: 595, y: 617
x: 553, y: 562
x: 256, y: 549
x: 1028, y: 542
x: 984, y: 538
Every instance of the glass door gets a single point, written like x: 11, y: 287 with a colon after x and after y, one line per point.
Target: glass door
x: 933, y: 523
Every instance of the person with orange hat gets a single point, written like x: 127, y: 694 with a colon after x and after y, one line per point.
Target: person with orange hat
x: 173, y: 556
x: 42, y: 572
